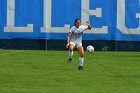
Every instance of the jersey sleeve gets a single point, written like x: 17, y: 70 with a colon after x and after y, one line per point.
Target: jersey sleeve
x: 71, y: 30
x: 84, y: 27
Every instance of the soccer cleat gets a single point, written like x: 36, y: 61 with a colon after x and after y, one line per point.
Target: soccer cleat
x: 80, y: 68
x: 70, y: 60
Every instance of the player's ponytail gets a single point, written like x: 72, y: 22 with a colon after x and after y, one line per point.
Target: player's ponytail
x: 77, y: 19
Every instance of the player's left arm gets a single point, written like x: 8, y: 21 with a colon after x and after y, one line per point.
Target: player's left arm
x: 88, y: 25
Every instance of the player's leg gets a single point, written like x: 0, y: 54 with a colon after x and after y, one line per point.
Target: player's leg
x: 71, y: 47
x: 81, y: 58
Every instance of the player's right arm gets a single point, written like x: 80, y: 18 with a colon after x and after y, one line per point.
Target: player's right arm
x: 68, y: 39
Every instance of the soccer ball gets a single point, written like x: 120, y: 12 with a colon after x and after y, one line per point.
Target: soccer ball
x: 90, y: 49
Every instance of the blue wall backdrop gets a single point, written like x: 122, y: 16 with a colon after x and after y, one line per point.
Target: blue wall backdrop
x: 64, y: 12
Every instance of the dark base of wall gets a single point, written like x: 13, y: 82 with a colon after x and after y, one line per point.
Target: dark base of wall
x: 26, y: 44
x: 100, y: 45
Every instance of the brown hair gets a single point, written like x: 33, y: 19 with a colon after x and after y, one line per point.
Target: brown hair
x: 77, y: 19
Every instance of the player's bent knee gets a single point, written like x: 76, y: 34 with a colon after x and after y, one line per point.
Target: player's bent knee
x: 71, y: 48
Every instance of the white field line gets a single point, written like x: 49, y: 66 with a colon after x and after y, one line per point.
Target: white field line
x: 3, y: 54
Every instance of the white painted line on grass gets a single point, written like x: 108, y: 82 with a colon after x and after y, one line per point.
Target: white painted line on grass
x: 11, y: 52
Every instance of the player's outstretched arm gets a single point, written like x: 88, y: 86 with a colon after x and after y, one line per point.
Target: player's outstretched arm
x: 88, y: 24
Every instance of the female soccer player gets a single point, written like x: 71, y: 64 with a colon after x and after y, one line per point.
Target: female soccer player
x: 76, y: 40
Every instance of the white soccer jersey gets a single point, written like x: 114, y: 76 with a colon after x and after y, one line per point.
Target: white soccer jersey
x: 77, y: 33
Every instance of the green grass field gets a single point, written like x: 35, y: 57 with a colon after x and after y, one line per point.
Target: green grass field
x: 48, y: 72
